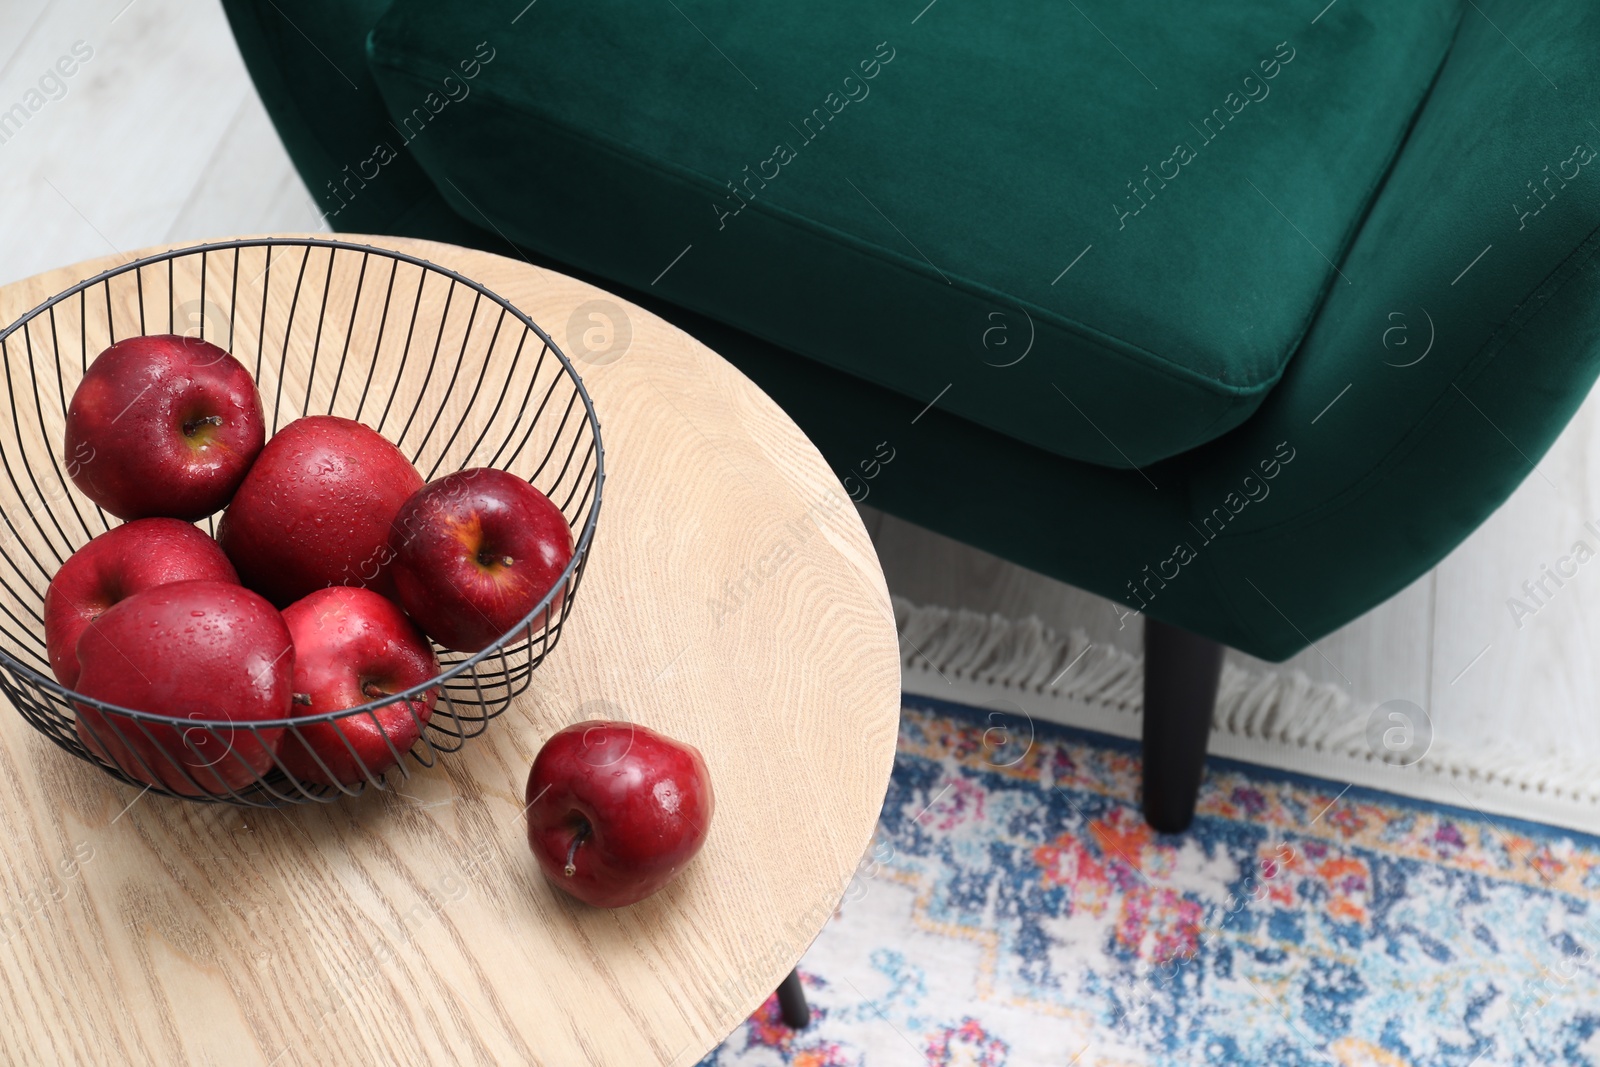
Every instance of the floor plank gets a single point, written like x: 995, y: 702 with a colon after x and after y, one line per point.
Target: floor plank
x: 1528, y: 680
x: 111, y: 163
x: 248, y: 186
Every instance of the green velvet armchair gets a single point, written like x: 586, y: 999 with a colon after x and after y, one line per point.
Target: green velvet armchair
x: 1240, y: 314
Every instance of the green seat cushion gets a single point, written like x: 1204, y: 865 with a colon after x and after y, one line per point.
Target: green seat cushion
x: 901, y: 197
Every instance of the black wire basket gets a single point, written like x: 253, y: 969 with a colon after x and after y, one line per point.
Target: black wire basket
x: 448, y: 371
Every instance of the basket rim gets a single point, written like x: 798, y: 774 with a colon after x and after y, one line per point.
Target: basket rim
x: 564, y: 584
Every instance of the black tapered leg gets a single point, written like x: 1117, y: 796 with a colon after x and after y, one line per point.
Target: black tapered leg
x: 1181, y: 671
x: 792, y: 1003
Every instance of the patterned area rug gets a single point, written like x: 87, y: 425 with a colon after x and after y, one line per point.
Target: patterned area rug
x: 1015, y: 911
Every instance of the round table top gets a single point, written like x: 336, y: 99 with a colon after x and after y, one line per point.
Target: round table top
x: 732, y: 600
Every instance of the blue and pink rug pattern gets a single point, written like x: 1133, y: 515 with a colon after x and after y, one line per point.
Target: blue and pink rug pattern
x: 1016, y: 911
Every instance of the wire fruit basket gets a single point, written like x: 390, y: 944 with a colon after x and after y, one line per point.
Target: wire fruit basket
x: 444, y: 368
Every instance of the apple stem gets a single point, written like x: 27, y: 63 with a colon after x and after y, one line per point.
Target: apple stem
x: 210, y: 420
x: 303, y: 698
x: 572, y: 850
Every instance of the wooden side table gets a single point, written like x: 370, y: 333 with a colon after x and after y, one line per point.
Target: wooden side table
x: 732, y: 600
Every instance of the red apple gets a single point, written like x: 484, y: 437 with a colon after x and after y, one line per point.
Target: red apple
x: 187, y: 650
x: 616, y: 810
x: 315, y: 509
x: 474, y: 553
x: 352, y: 646
x: 122, y: 561
x: 163, y: 425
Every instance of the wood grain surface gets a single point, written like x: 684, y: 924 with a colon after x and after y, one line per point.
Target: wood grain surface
x: 732, y: 600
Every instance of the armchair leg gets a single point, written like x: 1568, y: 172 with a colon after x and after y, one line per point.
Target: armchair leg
x: 1181, y: 671
x: 792, y: 1003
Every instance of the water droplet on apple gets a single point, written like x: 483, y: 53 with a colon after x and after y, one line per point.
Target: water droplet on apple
x: 668, y: 796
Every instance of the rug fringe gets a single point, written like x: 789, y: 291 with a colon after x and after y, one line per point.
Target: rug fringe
x: 1287, y: 709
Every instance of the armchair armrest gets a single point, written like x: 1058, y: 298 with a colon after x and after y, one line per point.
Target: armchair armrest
x: 1461, y: 335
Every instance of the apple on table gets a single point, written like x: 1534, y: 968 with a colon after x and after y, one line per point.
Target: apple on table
x: 163, y: 425
x: 124, y: 560
x: 616, y: 810
x: 197, y: 650
x: 315, y: 508
x: 475, y: 552
x: 352, y: 646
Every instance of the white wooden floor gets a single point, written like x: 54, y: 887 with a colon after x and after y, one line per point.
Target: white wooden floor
x: 159, y: 137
